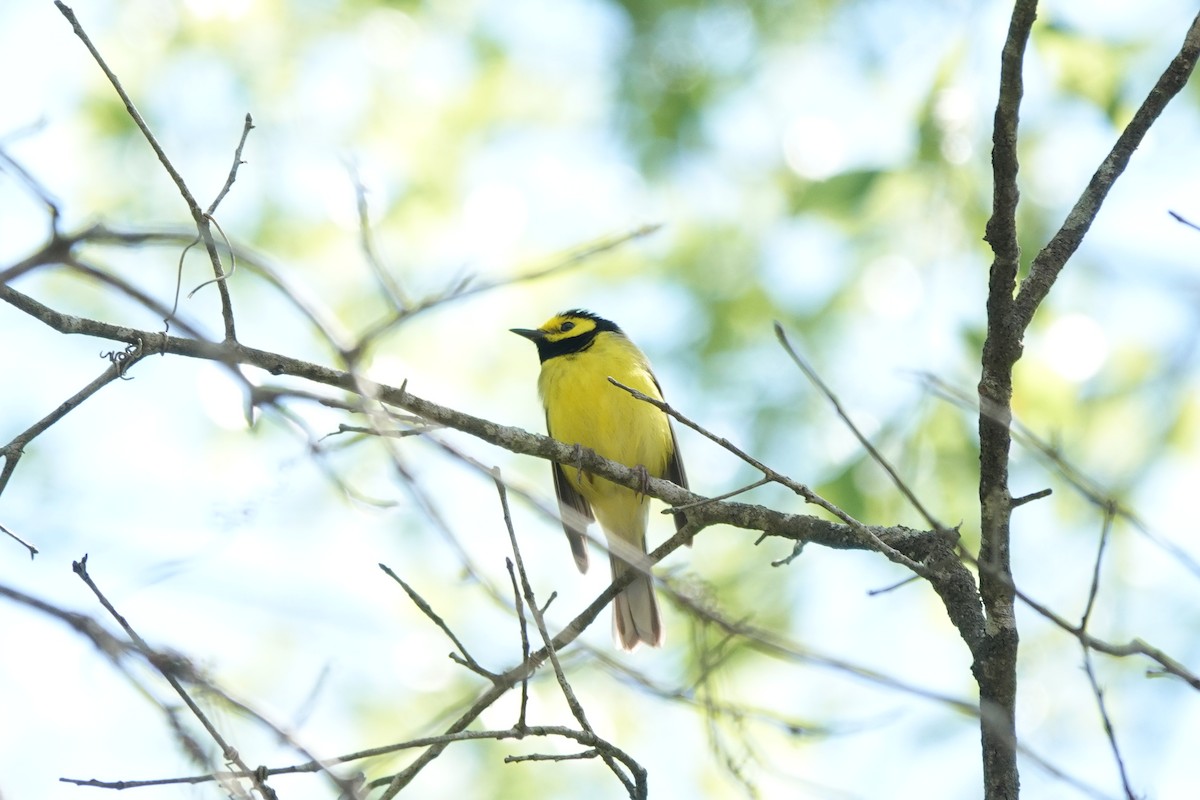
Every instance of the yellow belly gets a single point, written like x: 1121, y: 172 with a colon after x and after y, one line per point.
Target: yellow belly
x: 583, y: 408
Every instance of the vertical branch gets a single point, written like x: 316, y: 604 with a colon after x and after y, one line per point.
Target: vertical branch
x: 995, y: 664
x: 1110, y: 513
x: 1008, y: 317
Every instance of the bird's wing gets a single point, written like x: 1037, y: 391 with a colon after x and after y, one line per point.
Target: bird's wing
x: 675, y: 472
x: 676, y: 475
x: 575, y: 512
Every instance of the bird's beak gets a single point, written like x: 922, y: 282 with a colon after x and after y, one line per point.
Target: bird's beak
x: 531, y: 335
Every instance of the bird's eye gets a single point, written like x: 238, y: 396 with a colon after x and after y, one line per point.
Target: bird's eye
x: 566, y: 326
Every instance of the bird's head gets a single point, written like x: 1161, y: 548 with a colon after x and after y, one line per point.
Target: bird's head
x: 569, y: 332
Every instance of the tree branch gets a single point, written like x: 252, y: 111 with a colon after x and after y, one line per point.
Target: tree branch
x: 1008, y: 317
x: 201, y: 219
x: 995, y: 665
x: 1053, y: 257
x: 929, y: 550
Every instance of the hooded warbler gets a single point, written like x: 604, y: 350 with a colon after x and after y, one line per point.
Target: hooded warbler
x: 579, y: 352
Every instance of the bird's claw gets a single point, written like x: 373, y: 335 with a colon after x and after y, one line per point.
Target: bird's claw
x: 577, y: 460
x: 643, y: 476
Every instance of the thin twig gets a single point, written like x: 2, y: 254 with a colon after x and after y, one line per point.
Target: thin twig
x: 467, y: 659
x: 170, y: 665
x: 519, y: 604
x: 580, y: 756
x: 228, y: 752
x: 198, y: 215
x: 464, y: 287
x: 1168, y: 664
x: 636, y: 788
x: 442, y: 740
x: 131, y: 109
x: 13, y: 451
x: 247, y: 126
x: 719, y: 497
x: 1050, y: 261
x: 35, y: 188
x: 776, y: 477
x: 1180, y: 218
x: 1088, y: 667
x: 1086, y: 486
x: 685, y: 695
x: 33, y: 551
x: 1029, y: 498
x: 876, y: 456
x: 893, y: 587
x: 384, y: 278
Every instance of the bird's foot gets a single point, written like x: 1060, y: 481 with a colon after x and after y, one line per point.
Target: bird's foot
x: 577, y: 461
x: 643, y: 480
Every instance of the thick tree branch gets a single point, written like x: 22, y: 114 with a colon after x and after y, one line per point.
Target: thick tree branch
x: 983, y: 614
x: 1008, y: 317
x: 995, y: 665
x: 950, y: 579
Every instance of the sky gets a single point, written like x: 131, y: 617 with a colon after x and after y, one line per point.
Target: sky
x: 232, y: 544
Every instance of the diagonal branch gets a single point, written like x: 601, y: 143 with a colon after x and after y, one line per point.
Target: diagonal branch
x: 12, y: 452
x: 838, y: 409
x: 1049, y: 262
x: 931, y: 552
x: 636, y: 787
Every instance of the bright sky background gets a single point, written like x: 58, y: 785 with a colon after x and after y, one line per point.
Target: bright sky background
x: 233, y: 547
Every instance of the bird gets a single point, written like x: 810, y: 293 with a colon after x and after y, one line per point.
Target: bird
x: 579, y: 352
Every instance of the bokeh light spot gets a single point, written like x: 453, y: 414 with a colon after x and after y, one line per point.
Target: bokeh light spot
x: 1076, y: 347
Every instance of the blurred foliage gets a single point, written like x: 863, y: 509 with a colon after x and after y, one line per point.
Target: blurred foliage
x: 823, y: 164
x: 1093, y: 71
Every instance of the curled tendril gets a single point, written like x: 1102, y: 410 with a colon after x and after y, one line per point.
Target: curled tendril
x: 121, y: 359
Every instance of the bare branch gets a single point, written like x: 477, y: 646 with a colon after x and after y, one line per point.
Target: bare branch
x: 520, y: 608
x: 1086, y: 486
x: 13, y: 451
x: 198, y: 215
x: 1184, y: 220
x: 175, y: 670
x: 876, y: 456
x: 466, y: 287
x: 228, y: 753
x: 35, y: 188
x: 1053, y: 257
x: 637, y: 787
x: 233, y: 170
x: 775, y: 477
x: 936, y: 562
x: 466, y: 659
x: 387, y: 283
x: 33, y: 551
x: 1101, y: 706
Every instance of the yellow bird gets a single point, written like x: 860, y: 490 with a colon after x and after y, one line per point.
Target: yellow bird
x: 579, y: 352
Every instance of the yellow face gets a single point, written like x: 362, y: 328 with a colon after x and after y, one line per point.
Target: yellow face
x: 567, y: 333
x: 566, y: 326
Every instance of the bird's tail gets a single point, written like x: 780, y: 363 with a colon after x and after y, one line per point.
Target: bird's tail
x: 635, y: 611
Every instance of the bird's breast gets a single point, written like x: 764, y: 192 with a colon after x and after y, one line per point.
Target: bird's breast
x: 583, y: 407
